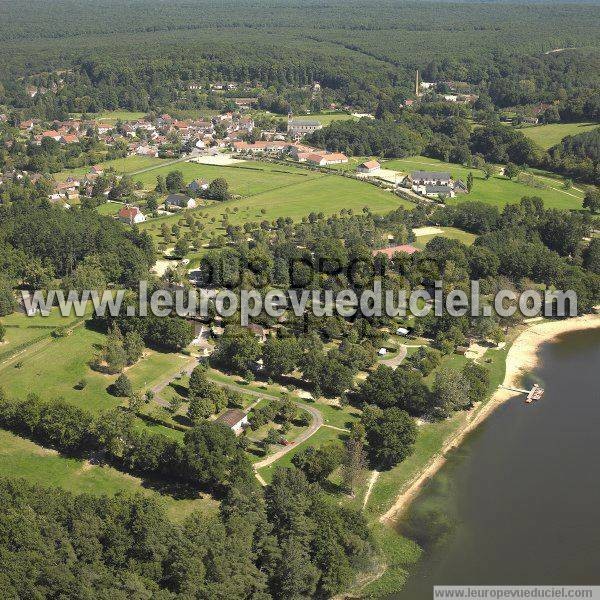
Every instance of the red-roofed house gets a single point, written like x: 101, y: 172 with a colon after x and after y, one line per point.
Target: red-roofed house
x: 369, y: 166
x: 52, y: 134
x: 131, y: 215
x: 389, y: 252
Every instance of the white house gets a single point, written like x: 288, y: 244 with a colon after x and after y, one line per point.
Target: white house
x: 131, y: 215
x: 234, y: 418
x: 369, y: 166
x: 176, y: 201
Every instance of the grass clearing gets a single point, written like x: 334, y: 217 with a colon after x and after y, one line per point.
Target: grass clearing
x: 55, y: 368
x: 20, y: 457
x: 322, y: 436
x: 497, y: 190
x: 547, y: 136
x: 318, y: 193
x: 448, y: 232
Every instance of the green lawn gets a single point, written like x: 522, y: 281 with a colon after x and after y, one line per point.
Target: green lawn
x: 498, y: 190
x: 448, y: 232
x: 20, y: 457
x: 23, y: 331
x: 245, y: 179
x: 316, y: 193
x: 127, y: 165
x: 547, y: 136
x: 54, y: 368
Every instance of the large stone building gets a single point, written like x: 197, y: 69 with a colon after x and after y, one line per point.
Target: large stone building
x: 298, y: 128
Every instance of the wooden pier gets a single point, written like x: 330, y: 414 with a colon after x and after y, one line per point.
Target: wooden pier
x: 535, y: 393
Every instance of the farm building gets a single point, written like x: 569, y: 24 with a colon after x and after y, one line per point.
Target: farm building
x: 369, y: 166
x: 234, y: 418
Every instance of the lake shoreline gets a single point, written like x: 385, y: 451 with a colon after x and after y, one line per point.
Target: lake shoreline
x: 522, y: 358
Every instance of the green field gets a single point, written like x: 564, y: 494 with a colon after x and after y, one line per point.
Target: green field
x: 498, y: 190
x: 20, y: 457
x: 123, y: 166
x: 547, y: 136
x: 246, y: 178
x: 54, y: 367
x: 315, y: 193
x: 448, y: 232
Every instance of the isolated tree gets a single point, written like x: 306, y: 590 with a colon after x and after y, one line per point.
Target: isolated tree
x: 151, y: 202
x: 391, y: 434
x: 354, y: 464
x: 181, y: 247
x: 218, y: 189
x: 174, y: 181
x: 478, y: 378
x: 133, y: 344
x: 451, y: 392
x: 122, y: 386
x: 469, y: 182
x: 2, y: 332
x: 319, y: 463
x: 488, y: 170
x: 200, y: 408
x: 161, y: 186
x: 511, y: 170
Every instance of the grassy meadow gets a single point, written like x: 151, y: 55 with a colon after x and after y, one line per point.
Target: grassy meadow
x: 547, y: 136
x: 20, y: 457
x: 497, y: 190
x: 54, y: 367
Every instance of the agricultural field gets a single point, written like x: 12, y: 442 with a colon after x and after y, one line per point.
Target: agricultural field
x: 547, y: 136
x: 315, y: 192
x: 23, y: 458
x: 498, y: 190
x: 245, y: 178
x: 122, y: 166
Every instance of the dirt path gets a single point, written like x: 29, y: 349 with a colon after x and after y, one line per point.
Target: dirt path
x: 372, y: 480
x: 317, y: 421
x: 395, y: 361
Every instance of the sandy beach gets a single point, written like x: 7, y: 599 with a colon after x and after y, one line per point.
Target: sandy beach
x: 522, y: 358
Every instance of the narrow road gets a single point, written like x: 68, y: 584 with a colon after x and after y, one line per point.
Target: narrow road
x: 315, y: 425
x: 395, y: 361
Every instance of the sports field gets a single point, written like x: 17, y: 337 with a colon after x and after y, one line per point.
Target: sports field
x: 497, y: 190
x: 547, y: 136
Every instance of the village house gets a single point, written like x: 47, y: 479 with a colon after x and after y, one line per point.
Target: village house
x: 323, y: 160
x: 234, y: 418
x: 369, y: 166
x: 298, y: 128
x: 131, y: 215
x: 179, y: 201
x: 197, y: 186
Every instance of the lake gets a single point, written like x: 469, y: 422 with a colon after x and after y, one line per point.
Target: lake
x: 519, y: 502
